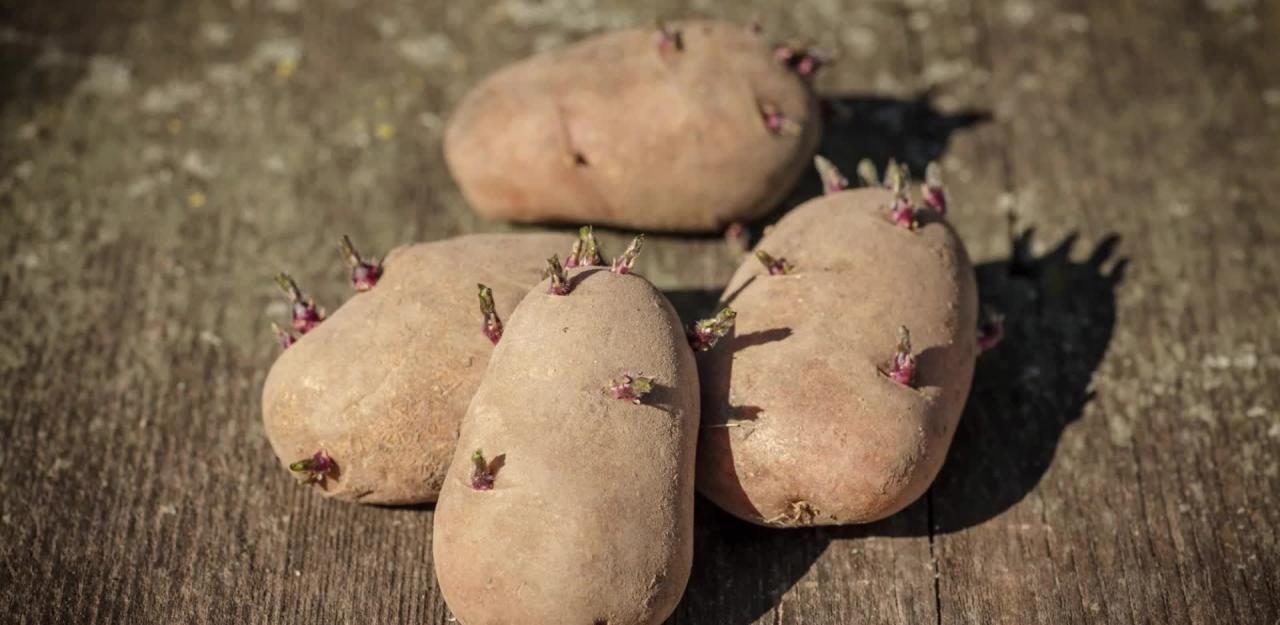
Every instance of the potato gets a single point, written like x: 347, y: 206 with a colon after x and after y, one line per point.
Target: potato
x: 812, y: 414
x: 378, y: 389
x: 569, y: 503
x: 626, y: 130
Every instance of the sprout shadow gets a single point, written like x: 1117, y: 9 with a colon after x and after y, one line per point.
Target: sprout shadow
x: 909, y: 131
x: 760, y: 337
x: 715, y: 382
x: 578, y: 277
x: 664, y: 397
x: 928, y: 365
x: 730, y: 297
x: 496, y: 464
x: 858, y: 126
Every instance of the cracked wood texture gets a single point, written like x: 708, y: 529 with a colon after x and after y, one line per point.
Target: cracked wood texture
x: 1112, y: 167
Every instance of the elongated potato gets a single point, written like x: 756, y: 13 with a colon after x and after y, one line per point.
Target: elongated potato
x: 814, y: 416
x: 378, y: 389
x: 631, y: 129
x: 580, y: 511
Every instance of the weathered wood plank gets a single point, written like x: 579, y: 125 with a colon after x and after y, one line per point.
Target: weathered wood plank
x: 1158, y: 503
x: 1118, y: 462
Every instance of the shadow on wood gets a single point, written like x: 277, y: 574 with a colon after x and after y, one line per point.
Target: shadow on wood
x: 1060, y: 316
x: 879, y: 128
x: 741, y: 571
x: 1059, y: 319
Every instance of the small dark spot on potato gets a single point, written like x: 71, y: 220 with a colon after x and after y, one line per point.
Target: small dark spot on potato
x: 580, y: 159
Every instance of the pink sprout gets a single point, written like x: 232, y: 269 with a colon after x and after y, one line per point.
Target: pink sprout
x: 776, y: 121
x: 315, y: 469
x: 364, y: 273
x: 706, y: 333
x: 492, y: 325
x: 804, y: 61
x: 559, y: 278
x: 624, y: 263
x: 776, y: 266
x: 306, y: 315
x: 669, y: 40
x: 482, y: 474
x: 585, y: 251
x: 990, y: 331
x: 903, y: 212
x: 867, y: 173
x: 737, y: 237
x: 284, y: 337
x: 902, y: 369
x: 631, y: 387
x: 934, y: 196
x: 832, y: 180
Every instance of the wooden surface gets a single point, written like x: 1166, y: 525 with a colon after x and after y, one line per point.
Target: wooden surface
x: 1113, y: 166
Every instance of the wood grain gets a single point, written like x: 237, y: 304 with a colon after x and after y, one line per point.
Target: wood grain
x: 1113, y: 169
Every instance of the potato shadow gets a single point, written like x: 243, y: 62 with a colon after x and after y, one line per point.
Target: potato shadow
x: 740, y: 570
x: 693, y: 304
x: 928, y: 368
x: 715, y: 381
x: 1060, y: 316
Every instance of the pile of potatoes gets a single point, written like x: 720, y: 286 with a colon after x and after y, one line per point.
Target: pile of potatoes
x: 557, y: 407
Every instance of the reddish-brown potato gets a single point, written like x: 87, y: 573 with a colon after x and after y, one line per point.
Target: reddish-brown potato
x: 622, y: 129
x: 580, y: 510
x: 381, y: 385
x: 804, y: 424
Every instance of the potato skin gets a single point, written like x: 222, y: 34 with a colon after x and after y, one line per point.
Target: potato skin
x: 669, y: 140
x: 382, y: 384
x: 591, y: 515
x: 821, y: 436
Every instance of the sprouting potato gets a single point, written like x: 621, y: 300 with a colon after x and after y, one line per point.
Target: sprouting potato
x: 687, y: 127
